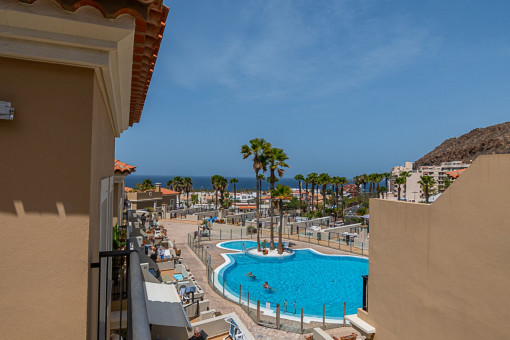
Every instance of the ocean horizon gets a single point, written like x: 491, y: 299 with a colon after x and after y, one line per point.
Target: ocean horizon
x: 204, y: 182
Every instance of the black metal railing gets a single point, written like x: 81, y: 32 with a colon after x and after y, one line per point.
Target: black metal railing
x: 365, y: 293
x: 120, y: 279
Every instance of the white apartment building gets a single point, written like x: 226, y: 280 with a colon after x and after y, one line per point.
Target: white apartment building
x: 412, y: 190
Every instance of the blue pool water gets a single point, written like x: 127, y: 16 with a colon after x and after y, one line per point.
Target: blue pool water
x: 308, y: 278
x: 238, y: 245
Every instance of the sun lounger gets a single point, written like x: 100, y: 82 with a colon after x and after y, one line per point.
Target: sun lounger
x: 353, y: 336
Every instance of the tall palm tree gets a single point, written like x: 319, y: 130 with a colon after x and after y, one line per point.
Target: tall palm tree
x: 400, y: 181
x: 299, y: 178
x: 378, y: 178
x: 234, y: 181
x: 324, y: 180
x: 427, y: 185
x: 386, y: 176
x: 312, y: 179
x: 306, y: 193
x: 194, y: 199
x: 187, y: 186
x: 280, y: 193
x: 260, y: 177
x: 222, y: 184
x: 342, y: 181
x: 276, y: 162
x: 257, y: 148
x: 178, y: 185
x: 215, y: 185
x: 170, y: 184
x: 405, y: 174
x: 357, y: 181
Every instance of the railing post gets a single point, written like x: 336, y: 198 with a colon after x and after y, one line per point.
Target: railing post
x: 220, y: 234
x: 230, y: 233
x: 345, y: 308
x: 277, y: 316
x: 240, y: 295
x: 362, y: 248
x: 223, y: 286
x: 248, y: 310
x: 241, y: 234
x: 302, y: 327
x: 258, y: 312
x: 324, y: 317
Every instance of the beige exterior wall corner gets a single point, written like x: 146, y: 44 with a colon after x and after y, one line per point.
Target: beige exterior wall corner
x: 441, y: 271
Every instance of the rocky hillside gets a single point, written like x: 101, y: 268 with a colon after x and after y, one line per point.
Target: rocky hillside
x: 492, y: 139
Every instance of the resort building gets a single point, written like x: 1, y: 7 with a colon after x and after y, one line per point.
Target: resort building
x: 435, y: 271
x: 77, y: 74
x: 154, y: 198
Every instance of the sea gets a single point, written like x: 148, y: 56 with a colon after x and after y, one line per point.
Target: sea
x: 204, y: 182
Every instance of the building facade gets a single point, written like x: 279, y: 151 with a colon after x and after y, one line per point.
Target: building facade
x: 77, y: 74
x: 431, y: 274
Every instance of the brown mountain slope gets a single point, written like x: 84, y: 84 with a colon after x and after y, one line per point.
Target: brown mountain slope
x: 492, y: 139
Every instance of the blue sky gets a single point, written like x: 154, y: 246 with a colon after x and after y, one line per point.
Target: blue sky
x: 345, y: 87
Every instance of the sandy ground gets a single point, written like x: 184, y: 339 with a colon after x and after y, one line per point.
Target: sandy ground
x: 178, y: 231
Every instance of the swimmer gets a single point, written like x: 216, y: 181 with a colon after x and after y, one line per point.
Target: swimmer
x: 250, y: 274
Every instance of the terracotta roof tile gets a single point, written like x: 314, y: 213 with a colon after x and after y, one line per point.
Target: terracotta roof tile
x: 150, y: 20
x: 123, y: 168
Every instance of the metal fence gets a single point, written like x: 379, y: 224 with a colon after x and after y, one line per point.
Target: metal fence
x: 331, y: 240
x: 286, y: 315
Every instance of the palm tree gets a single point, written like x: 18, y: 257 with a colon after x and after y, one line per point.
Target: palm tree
x: 178, y: 184
x: 386, y: 176
x: 187, y: 186
x: 146, y: 185
x: 405, y: 174
x: 400, y: 181
x: 280, y: 193
x: 382, y: 190
x: 194, y: 199
x: 342, y: 181
x: 357, y: 181
x: 324, y: 180
x: 427, y: 185
x: 260, y: 177
x: 257, y: 148
x: 446, y: 183
x: 170, y: 184
x: 215, y: 185
x: 234, y: 181
x: 312, y: 179
x: 222, y: 184
x: 276, y: 162
x: 299, y: 178
x: 378, y: 178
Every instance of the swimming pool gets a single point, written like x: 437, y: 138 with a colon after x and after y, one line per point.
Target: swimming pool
x: 307, y: 280
x: 237, y: 245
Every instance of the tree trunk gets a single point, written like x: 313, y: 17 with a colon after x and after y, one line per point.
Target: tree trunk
x: 280, y: 230
x: 271, y: 210
x: 399, y: 189
x: 300, y: 203
x: 257, y: 209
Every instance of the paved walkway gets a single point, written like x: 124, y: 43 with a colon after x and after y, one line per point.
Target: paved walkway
x: 178, y: 232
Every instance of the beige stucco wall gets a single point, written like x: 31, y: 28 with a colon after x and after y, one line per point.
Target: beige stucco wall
x: 46, y: 164
x: 442, y: 271
x: 102, y: 163
x: 55, y: 151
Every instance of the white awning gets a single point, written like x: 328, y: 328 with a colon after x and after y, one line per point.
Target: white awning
x: 164, y: 306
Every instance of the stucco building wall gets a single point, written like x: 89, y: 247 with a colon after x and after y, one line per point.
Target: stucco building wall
x: 441, y: 271
x: 60, y: 134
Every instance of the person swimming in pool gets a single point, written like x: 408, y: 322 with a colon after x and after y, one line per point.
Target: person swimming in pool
x: 250, y: 274
x: 267, y: 286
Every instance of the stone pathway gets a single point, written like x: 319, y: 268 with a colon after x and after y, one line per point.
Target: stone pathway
x: 178, y: 232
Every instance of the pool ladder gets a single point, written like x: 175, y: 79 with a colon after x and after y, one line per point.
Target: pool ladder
x: 285, y: 305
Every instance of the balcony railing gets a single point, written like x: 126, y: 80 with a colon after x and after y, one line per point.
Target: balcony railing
x: 120, y: 279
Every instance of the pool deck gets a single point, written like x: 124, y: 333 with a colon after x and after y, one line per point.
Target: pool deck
x: 178, y: 231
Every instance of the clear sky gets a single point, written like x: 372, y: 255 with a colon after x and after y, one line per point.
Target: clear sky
x: 345, y: 87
